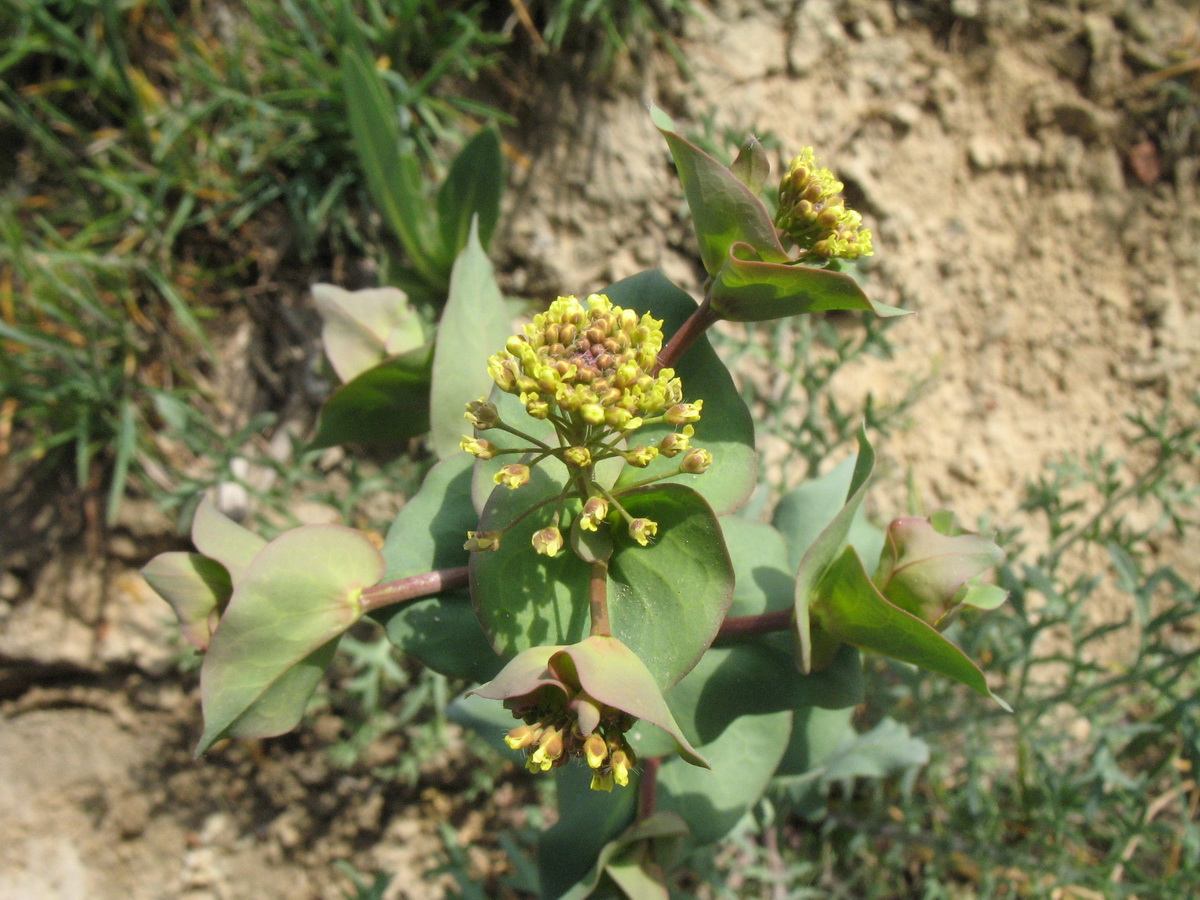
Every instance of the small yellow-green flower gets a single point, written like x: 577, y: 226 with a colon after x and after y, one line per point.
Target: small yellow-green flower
x: 676, y: 442
x: 512, y: 476
x: 478, y: 447
x: 482, y: 414
x: 578, y: 702
x: 548, y: 541
x: 594, y: 512
x: 482, y: 541
x: 641, y: 530
x: 641, y: 456
x: 696, y: 462
x: 813, y: 213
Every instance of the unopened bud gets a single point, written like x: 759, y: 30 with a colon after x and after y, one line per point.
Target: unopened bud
x: 682, y: 413
x: 641, y: 456
x: 676, y: 442
x: 579, y: 457
x: 696, y: 462
x: 482, y: 414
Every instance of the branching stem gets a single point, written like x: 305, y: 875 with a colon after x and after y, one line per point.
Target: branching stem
x: 696, y: 324
x: 751, y: 626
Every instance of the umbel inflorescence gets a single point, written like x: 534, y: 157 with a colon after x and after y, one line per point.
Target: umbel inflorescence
x: 591, y: 370
x: 813, y: 213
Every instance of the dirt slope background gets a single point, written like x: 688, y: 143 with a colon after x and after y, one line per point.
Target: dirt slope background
x: 1029, y: 200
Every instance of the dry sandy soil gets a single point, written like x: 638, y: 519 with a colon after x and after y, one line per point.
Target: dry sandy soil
x: 1000, y: 151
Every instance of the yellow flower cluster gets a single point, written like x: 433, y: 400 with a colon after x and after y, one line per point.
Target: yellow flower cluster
x: 588, y: 364
x: 813, y: 213
x: 551, y: 739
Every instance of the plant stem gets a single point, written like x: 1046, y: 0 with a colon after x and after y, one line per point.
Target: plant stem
x: 427, y: 584
x: 598, y: 597
x: 648, y: 788
x: 750, y: 626
x: 697, y: 323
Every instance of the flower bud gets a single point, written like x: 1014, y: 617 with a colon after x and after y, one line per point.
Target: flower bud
x: 696, y: 462
x: 676, y: 442
x: 595, y: 750
x: 522, y: 736
x: 548, y: 541
x: 594, y: 512
x: 482, y: 414
x: 478, y: 447
x: 592, y: 413
x: 579, y: 457
x: 512, y: 476
x: 482, y: 541
x: 682, y: 413
x: 641, y: 530
x: 641, y: 456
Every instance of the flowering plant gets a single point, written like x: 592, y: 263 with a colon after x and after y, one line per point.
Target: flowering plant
x: 580, y: 555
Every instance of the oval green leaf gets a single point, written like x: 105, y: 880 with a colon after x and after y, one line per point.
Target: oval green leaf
x: 739, y: 708
x: 386, y: 404
x: 725, y: 429
x: 298, y: 595
x: 666, y: 601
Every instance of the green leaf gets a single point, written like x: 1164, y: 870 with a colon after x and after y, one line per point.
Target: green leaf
x: 848, y: 606
x: 887, y: 748
x: 219, y: 537
x: 473, y: 326
x: 725, y: 429
x: 429, y: 531
x: 737, y: 701
x: 749, y: 289
x: 443, y: 632
x: 587, y: 820
x: 763, y: 579
x: 751, y: 167
x: 360, y: 329
x: 393, y: 177
x: 725, y: 211
x: 196, y: 587
x: 472, y: 189
x: 386, y: 404
x: 821, y: 553
x: 636, y: 860
x: 297, y: 596
x: 666, y: 601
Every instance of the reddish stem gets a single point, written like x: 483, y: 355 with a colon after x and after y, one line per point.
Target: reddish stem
x: 598, y: 597
x: 696, y: 324
x: 750, y: 626
x: 427, y: 584
x: 648, y: 788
